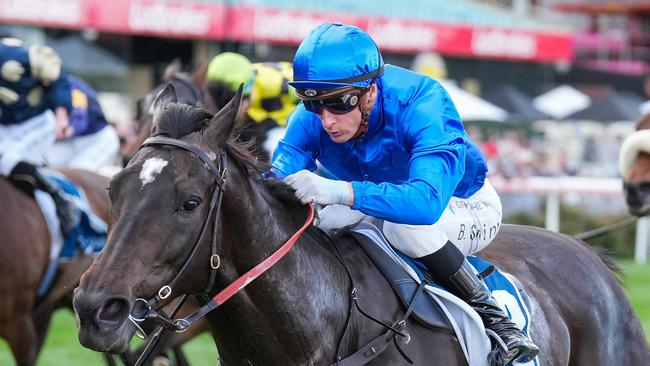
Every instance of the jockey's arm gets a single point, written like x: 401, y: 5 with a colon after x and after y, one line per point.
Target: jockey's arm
x: 422, y: 198
x: 59, y: 99
x: 63, y: 128
x: 435, y: 139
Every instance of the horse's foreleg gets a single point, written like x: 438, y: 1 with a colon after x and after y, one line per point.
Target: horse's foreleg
x: 23, y: 340
x: 180, y: 357
x: 108, y: 358
x: 41, y: 320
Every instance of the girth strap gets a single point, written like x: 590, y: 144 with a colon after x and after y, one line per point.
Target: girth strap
x: 378, y: 345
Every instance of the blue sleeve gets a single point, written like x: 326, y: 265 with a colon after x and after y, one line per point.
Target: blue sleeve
x: 79, y: 116
x: 58, y: 94
x: 298, y: 149
x: 435, y: 138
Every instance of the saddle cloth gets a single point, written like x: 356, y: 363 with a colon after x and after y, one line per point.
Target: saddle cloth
x: 88, y: 237
x: 464, y: 321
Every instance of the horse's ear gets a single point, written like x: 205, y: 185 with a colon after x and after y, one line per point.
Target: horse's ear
x: 167, y: 95
x: 198, y: 76
x: 223, y: 123
x: 172, y: 69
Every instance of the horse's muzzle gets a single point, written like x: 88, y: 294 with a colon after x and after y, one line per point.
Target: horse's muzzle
x: 637, y: 197
x: 101, y: 321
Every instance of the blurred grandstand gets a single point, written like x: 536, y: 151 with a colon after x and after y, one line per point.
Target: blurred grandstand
x: 557, y: 74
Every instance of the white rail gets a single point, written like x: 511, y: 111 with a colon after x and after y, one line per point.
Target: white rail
x: 553, y: 188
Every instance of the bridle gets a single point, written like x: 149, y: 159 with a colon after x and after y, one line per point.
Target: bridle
x: 144, y: 309
x: 219, y: 174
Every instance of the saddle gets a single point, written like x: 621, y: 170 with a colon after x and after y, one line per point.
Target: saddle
x: 424, y: 309
x: 87, y: 238
x: 436, y: 308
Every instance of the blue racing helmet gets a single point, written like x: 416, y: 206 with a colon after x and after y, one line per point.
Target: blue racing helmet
x: 333, y: 56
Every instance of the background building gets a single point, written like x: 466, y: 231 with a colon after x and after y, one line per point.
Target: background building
x: 483, y: 43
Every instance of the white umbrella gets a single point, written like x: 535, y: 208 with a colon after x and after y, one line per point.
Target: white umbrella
x: 472, y: 108
x: 562, y: 101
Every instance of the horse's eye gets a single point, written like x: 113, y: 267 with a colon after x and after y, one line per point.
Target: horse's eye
x: 190, y: 205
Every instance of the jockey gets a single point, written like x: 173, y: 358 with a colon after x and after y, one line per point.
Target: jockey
x: 268, y: 99
x: 272, y: 99
x: 34, y: 106
x: 93, y: 143
x: 396, y: 144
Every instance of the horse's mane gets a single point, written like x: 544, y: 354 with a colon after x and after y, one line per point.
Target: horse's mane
x: 179, y: 120
x: 257, y: 170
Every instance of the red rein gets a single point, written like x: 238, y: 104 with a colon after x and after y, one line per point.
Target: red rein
x: 256, y: 271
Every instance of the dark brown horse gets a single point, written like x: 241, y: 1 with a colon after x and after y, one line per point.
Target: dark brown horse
x: 24, y: 256
x: 634, y: 163
x: 297, y: 313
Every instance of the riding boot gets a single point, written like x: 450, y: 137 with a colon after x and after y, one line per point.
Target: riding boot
x: 463, y: 282
x: 27, y: 177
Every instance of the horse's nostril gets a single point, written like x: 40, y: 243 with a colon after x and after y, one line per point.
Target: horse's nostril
x: 114, y: 311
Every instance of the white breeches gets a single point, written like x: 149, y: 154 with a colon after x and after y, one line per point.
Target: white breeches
x: 90, y: 152
x: 26, y: 141
x: 470, y: 224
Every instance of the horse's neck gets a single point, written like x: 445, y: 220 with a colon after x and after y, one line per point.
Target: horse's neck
x: 284, y: 306
x: 256, y: 229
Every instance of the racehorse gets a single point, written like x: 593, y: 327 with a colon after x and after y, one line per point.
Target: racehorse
x: 24, y: 256
x: 188, y: 87
x: 634, y: 163
x: 192, y: 213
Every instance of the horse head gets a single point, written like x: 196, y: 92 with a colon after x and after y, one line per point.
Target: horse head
x: 187, y: 91
x: 634, y: 163
x: 161, y: 202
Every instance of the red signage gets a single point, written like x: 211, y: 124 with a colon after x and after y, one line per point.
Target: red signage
x: 219, y: 21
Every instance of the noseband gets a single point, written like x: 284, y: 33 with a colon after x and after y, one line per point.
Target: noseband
x: 143, y: 309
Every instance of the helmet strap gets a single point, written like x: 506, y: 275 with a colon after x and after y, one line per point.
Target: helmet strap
x: 363, y: 126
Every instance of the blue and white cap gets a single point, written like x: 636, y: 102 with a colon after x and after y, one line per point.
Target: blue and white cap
x: 333, y: 56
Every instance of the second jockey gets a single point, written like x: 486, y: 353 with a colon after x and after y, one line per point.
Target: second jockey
x: 93, y: 143
x: 34, y: 106
x: 268, y: 99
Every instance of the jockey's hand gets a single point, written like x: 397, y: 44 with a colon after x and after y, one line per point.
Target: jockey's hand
x: 314, y: 188
x: 63, y: 128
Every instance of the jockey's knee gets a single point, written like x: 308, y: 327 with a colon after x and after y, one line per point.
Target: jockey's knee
x: 415, y: 240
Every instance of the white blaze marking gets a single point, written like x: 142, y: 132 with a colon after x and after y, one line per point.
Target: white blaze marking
x: 151, y: 168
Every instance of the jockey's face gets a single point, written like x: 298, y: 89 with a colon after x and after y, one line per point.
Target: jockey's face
x: 343, y: 127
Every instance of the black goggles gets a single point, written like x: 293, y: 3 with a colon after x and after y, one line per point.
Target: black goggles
x: 340, y: 104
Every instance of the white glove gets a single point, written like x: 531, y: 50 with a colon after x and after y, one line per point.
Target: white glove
x: 313, y: 188
x: 334, y: 217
